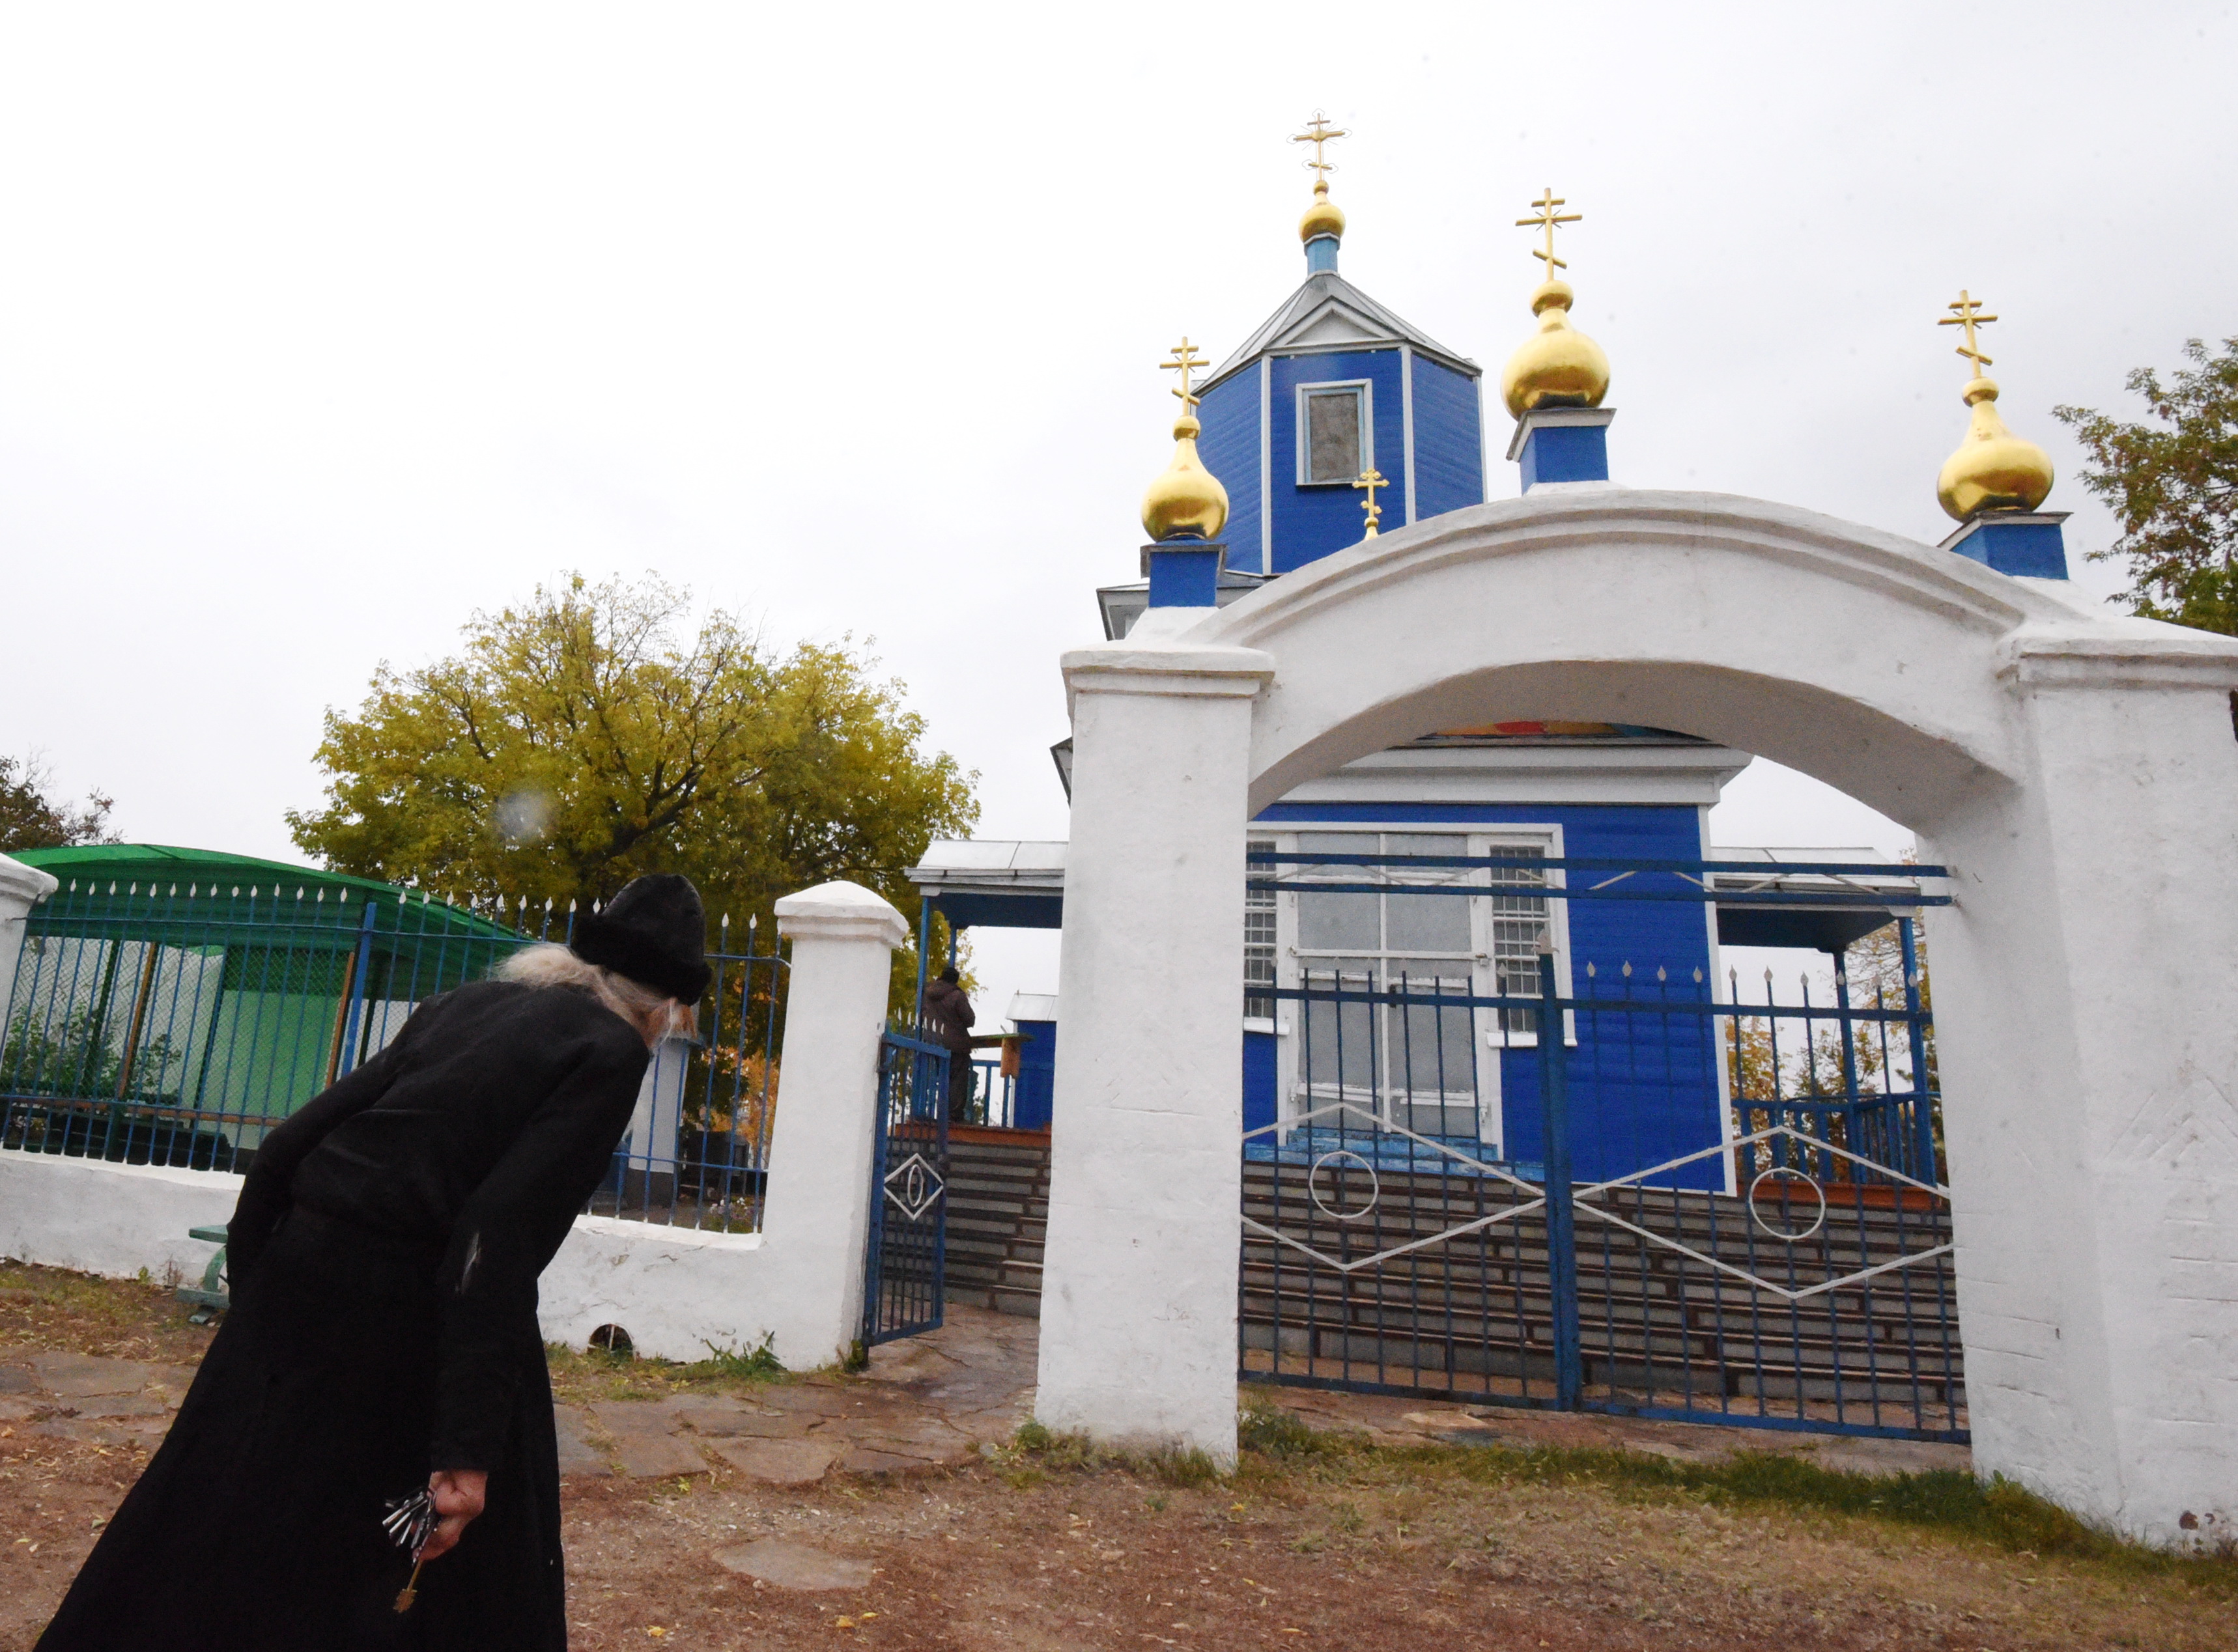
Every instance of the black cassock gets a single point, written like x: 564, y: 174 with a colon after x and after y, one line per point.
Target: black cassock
x: 383, y: 1259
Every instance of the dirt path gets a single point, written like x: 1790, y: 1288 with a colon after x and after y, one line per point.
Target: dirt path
x: 937, y: 1537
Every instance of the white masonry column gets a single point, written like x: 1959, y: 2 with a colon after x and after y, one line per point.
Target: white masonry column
x: 816, y: 1221
x: 2086, y: 998
x: 21, y: 888
x: 1138, y: 1283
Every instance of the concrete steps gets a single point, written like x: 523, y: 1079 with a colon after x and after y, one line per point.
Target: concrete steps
x: 997, y: 1218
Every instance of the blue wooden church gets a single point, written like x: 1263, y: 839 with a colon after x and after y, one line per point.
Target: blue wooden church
x: 1334, y: 388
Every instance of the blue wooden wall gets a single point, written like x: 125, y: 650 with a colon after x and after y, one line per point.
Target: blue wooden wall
x: 1229, y: 448
x: 1642, y: 1088
x: 1312, y: 522
x: 1031, y: 1102
x: 1448, y: 440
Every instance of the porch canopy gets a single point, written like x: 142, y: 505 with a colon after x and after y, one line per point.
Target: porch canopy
x: 980, y: 882
x: 1009, y: 884
x: 1808, y: 920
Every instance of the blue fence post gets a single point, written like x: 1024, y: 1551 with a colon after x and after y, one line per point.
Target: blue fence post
x: 924, y: 953
x: 1561, y: 1223
x: 357, y: 988
x: 1923, y: 1108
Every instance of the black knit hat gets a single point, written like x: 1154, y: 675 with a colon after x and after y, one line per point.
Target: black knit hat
x: 655, y: 931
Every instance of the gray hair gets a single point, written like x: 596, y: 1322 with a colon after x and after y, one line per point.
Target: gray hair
x: 653, y: 1013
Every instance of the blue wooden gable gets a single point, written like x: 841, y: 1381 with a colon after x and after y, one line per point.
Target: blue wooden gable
x: 1428, y: 421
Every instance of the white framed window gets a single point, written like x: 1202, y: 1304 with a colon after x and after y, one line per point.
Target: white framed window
x: 1424, y: 1066
x: 1259, y: 942
x: 1336, y: 432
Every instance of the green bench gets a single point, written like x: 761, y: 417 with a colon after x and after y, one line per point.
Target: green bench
x: 210, y: 1298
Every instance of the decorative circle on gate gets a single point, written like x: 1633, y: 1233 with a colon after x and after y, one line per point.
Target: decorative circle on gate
x: 913, y: 1186
x: 1788, y: 1173
x: 1313, y: 1189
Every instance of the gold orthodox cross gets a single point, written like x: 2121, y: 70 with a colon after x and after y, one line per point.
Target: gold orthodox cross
x: 1970, y: 317
x: 1371, y: 479
x: 1188, y: 360
x: 1319, y: 131
x: 1547, y: 220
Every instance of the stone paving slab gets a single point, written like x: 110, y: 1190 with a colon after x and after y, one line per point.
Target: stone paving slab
x: 83, y: 1376
x: 17, y: 1380
x: 779, y: 1461
x: 642, y: 1445
x: 573, y: 1423
x: 789, y: 1565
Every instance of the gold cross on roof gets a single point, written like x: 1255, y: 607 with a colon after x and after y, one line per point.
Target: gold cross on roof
x: 1371, y: 479
x: 1547, y: 219
x: 1970, y: 317
x: 1319, y: 131
x: 1188, y: 361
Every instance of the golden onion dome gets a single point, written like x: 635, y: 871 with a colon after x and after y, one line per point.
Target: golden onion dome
x: 1186, y: 500
x: 1324, y: 217
x: 1558, y: 365
x: 1993, y: 469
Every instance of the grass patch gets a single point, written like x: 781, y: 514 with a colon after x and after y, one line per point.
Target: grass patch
x: 1035, y: 1452
x: 1944, y: 1501
x: 580, y: 1374
x: 46, y: 1307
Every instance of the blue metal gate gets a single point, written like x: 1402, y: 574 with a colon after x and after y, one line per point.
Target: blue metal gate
x: 1796, y: 1272
x: 904, y: 1270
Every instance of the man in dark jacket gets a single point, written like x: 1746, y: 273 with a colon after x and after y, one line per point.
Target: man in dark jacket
x: 383, y: 1335
x: 948, y: 1017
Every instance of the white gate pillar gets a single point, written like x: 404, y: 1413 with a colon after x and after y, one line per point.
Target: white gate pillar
x: 1138, y: 1286
x: 817, y: 1214
x: 21, y: 888
x: 2085, y: 983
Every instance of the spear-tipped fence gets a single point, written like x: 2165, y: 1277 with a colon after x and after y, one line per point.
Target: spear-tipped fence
x: 177, y: 1022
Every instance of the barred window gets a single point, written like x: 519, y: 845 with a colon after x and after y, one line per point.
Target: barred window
x: 1519, y: 930
x: 1258, y: 940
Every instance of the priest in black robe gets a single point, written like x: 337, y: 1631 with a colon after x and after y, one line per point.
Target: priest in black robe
x: 383, y: 1261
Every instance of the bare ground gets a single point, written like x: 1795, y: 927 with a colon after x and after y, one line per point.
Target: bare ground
x: 1361, y: 1545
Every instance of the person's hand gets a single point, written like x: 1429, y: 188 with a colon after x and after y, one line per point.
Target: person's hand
x: 458, y: 1496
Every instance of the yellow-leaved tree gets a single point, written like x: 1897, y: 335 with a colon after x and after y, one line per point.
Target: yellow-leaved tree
x: 593, y: 733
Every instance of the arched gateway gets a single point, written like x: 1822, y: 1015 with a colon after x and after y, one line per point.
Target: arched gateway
x: 2076, y: 772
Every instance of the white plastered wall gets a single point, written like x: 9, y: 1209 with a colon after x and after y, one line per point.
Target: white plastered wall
x: 677, y: 1290
x: 2076, y: 771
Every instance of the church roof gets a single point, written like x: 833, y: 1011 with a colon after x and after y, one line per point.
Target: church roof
x: 1329, y: 312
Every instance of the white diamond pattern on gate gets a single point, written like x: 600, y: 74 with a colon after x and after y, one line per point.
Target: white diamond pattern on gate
x: 1584, y: 1206
x: 914, y: 1186
x: 1374, y: 1127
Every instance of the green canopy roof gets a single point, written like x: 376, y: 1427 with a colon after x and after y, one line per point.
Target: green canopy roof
x: 94, y: 873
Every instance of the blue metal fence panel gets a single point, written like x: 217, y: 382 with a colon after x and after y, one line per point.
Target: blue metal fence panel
x: 176, y: 1025
x: 1792, y: 1271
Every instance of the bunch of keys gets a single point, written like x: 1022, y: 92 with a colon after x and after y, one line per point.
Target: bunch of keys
x: 410, y: 1522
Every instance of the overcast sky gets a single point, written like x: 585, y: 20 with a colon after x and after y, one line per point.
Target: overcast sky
x: 320, y: 328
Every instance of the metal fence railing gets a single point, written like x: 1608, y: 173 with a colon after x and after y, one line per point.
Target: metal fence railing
x: 176, y: 1024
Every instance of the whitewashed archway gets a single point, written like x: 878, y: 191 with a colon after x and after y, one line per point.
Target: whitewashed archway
x: 2076, y: 771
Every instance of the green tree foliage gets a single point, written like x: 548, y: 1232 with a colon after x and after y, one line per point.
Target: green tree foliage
x: 580, y: 739
x: 31, y: 817
x: 2175, y: 485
